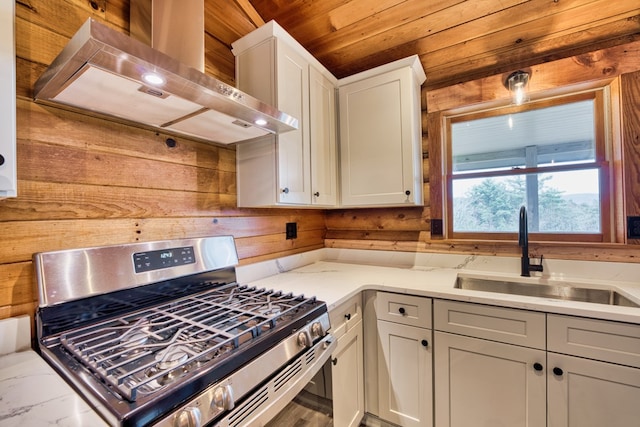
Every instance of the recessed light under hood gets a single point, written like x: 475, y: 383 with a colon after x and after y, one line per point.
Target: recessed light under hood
x: 107, y: 72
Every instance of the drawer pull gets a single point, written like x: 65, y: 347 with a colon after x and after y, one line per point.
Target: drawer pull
x: 347, y: 316
x: 425, y: 343
x: 538, y: 366
x: 558, y: 371
x: 401, y: 310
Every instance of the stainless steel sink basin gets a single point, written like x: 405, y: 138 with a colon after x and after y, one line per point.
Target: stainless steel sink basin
x: 562, y: 292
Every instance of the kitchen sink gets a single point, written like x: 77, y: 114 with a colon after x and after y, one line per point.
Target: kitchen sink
x: 562, y: 292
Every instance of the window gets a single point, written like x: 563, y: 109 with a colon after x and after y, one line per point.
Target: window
x: 549, y: 156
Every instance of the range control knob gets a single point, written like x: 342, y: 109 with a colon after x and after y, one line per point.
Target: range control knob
x: 316, y: 330
x: 222, y: 398
x: 188, y: 417
x: 304, y: 339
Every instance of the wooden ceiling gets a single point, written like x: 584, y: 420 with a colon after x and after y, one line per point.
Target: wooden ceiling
x: 457, y: 40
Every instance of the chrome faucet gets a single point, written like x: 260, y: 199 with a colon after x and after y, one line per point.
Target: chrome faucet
x: 523, y: 242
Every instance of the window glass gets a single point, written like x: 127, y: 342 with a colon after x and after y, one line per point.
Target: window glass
x: 543, y: 158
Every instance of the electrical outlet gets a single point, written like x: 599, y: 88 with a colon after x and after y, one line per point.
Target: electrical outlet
x: 633, y: 227
x: 436, y: 227
x: 292, y: 230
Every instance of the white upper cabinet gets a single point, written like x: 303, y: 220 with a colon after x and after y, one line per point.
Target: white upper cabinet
x: 381, y: 136
x: 8, y: 178
x: 296, y: 168
x: 324, y: 147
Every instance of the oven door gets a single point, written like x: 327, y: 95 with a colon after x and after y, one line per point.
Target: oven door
x: 273, y: 396
x: 313, y: 405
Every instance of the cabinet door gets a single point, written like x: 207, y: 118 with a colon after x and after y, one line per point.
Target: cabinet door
x: 322, y: 113
x: 588, y: 393
x: 405, y: 375
x: 485, y: 383
x: 379, y: 141
x: 347, y: 379
x: 294, y: 155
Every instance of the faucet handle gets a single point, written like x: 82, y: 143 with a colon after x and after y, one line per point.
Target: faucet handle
x: 536, y: 267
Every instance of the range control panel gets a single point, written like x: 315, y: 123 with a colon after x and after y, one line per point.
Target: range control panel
x: 165, y: 258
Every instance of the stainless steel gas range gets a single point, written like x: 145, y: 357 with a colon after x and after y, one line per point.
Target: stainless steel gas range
x: 160, y: 333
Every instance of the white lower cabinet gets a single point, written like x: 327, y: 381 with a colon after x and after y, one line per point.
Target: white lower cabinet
x: 459, y: 364
x: 405, y: 393
x: 486, y: 383
x: 347, y: 378
x: 404, y: 374
x: 549, y: 370
x: 583, y: 392
x: 590, y: 393
x: 489, y: 366
x: 347, y: 370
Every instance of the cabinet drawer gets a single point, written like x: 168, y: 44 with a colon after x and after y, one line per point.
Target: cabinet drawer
x: 506, y: 325
x: 346, y: 316
x: 604, y: 340
x: 405, y: 309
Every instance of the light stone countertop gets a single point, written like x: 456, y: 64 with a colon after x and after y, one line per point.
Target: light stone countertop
x: 335, y: 275
x: 33, y: 394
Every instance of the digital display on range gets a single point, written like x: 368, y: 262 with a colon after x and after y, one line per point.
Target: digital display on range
x: 165, y: 258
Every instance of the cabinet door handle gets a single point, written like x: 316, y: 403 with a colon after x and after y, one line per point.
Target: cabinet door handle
x: 557, y: 371
x: 317, y: 194
x: 347, y: 316
x: 285, y: 190
x: 401, y: 310
x: 334, y: 361
x: 408, y: 193
x: 537, y: 366
x: 424, y: 343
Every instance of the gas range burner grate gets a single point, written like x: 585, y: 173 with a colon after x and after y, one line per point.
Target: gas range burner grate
x: 144, y: 351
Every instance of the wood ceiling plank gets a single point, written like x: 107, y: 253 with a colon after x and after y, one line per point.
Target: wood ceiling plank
x: 343, y: 14
x: 535, y: 38
x: 453, y: 25
x: 509, y: 20
x: 355, y: 11
x: 568, y: 21
x: 383, y: 27
x: 251, y: 12
x: 457, y: 48
x: 291, y: 14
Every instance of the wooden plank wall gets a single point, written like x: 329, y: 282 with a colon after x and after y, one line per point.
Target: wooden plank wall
x: 84, y: 181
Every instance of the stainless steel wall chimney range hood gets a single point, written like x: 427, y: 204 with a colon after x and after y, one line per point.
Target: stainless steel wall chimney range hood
x: 107, y: 72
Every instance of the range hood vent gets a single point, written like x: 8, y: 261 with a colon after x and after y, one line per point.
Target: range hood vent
x: 109, y: 73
